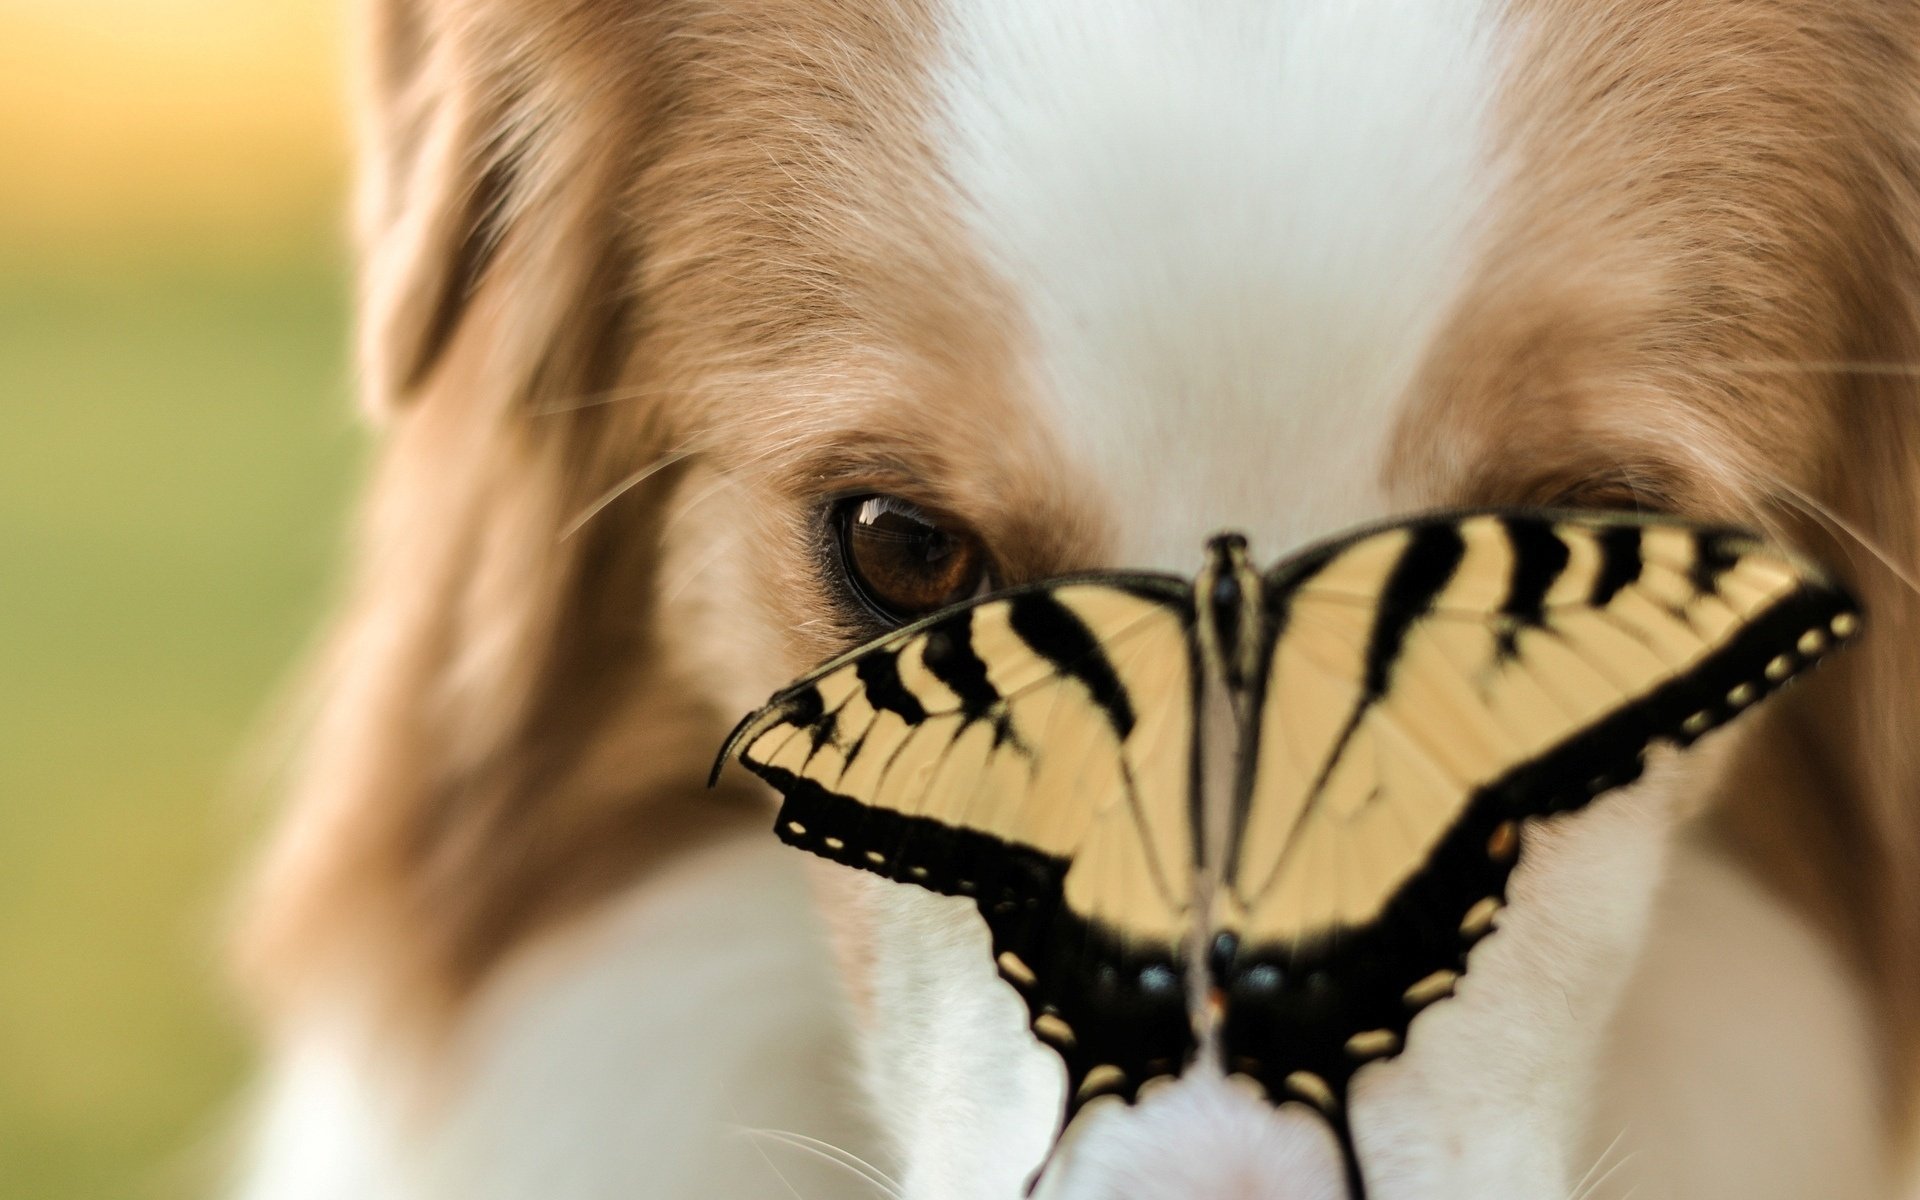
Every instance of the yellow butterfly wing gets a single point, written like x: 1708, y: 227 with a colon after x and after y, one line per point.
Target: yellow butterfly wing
x: 1429, y: 686
x: 1032, y: 751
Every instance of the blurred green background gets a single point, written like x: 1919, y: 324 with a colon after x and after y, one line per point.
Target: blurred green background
x: 177, y: 449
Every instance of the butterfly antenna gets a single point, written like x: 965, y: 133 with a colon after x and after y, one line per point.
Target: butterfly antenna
x: 732, y: 744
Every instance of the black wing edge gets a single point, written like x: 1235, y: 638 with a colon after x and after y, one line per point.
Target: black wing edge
x: 1167, y: 589
x: 1094, y: 999
x: 1300, y: 1009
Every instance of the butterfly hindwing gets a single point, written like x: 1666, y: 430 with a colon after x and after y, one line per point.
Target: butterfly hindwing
x: 1429, y: 687
x: 1032, y: 751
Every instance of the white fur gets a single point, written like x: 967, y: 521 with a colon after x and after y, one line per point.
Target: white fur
x: 327, y: 1126
x: 1201, y: 1137
x: 628, y: 1059
x: 969, y: 1100
x: 1231, y: 228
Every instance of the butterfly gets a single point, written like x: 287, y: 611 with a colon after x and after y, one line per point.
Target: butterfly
x: 1274, y: 812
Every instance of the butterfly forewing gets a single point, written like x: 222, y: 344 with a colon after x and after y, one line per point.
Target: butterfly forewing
x: 1431, y: 684
x: 1033, y: 751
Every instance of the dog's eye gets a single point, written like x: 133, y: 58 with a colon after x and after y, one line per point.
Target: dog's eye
x: 1621, y: 489
x: 904, y: 562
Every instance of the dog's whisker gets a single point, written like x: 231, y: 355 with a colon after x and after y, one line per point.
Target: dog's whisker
x: 747, y: 1131
x: 622, y: 488
x: 1592, y: 1191
x: 1811, y: 506
x: 1895, y: 370
x: 1581, y: 1190
x: 842, y: 1154
x: 589, y: 400
x: 838, y: 1155
x: 777, y: 1172
x: 689, y: 447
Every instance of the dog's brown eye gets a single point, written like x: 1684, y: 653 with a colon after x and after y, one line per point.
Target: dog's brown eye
x: 905, y: 562
x: 1617, y: 495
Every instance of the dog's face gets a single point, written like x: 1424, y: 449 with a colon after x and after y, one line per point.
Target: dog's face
x: 1277, y: 268
x: 1009, y: 289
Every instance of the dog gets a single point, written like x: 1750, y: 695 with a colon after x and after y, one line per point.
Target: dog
x: 662, y: 304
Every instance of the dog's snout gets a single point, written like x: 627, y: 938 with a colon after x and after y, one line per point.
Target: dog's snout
x: 1196, y: 1138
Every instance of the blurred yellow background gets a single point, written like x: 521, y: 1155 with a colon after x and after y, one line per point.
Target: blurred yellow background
x: 176, y: 451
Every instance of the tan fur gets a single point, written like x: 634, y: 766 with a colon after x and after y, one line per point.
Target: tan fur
x: 641, y: 279
x: 1714, y: 213
x: 615, y: 272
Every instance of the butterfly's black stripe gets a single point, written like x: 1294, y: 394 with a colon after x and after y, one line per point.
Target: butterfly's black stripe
x: 1063, y: 639
x: 826, y: 730
x: 880, y: 675
x: 1713, y: 556
x: 1539, y: 558
x: 803, y: 708
x: 1148, y: 588
x: 1429, y: 561
x: 949, y: 655
x: 1432, y: 555
x: 1276, y: 599
x: 1620, y: 563
x: 1278, y: 589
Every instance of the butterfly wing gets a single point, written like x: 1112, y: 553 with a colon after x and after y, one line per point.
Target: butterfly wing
x: 1032, y: 751
x: 1429, y: 686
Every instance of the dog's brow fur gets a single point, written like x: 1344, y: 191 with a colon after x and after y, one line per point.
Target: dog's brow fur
x: 597, y: 236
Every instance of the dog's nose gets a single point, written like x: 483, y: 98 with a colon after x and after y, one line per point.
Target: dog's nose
x: 1200, y: 1137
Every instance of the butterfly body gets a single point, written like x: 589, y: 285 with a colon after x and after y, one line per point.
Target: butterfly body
x: 1261, y: 820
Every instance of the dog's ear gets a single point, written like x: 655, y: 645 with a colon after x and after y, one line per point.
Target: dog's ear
x: 421, y: 215
x: 499, y: 738
x: 486, y: 151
